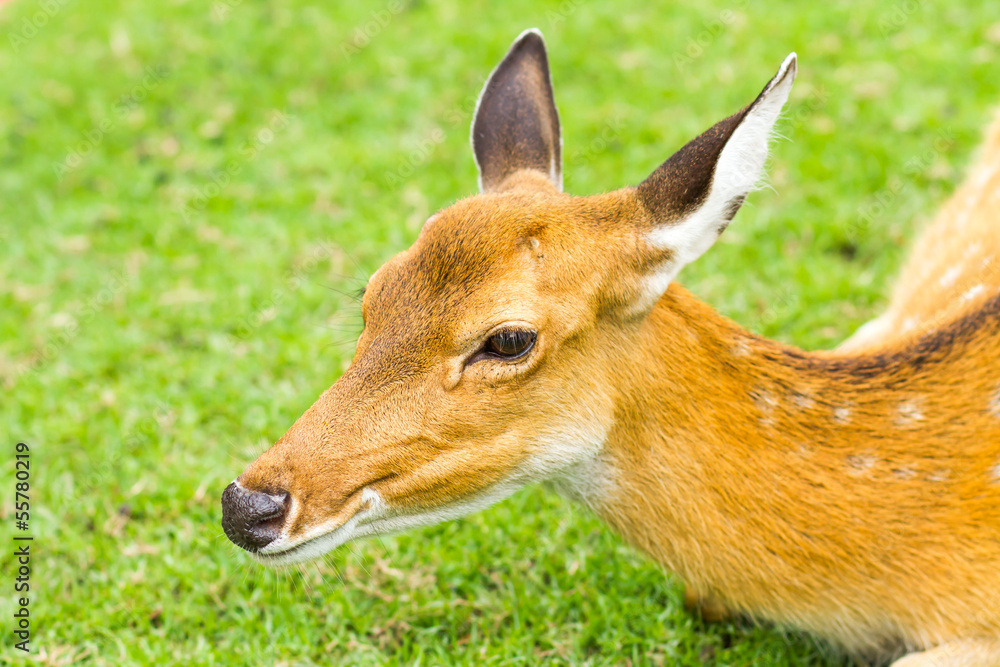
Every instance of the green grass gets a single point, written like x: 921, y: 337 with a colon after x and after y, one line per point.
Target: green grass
x: 190, y: 191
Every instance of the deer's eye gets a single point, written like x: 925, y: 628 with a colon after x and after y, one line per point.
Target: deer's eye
x: 510, y: 343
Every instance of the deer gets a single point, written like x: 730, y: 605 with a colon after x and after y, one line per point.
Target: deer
x: 529, y: 335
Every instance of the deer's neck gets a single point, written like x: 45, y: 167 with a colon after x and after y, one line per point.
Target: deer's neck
x: 742, y: 464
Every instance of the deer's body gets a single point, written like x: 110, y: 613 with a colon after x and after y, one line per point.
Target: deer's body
x: 824, y: 491
x: 529, y: 335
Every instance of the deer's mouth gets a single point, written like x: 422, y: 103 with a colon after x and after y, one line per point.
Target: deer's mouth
x: 375, y: 517
x: 327, y: 536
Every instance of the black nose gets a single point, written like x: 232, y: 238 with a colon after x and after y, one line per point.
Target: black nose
x: 252, y: 519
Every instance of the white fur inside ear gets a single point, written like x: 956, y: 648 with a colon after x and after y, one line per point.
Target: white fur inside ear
x: 739, y: 170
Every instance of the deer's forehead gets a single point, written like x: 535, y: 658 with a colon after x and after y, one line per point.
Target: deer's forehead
x: 476, y: 260
x: 489, y: 219
x: 461, y: 249
x: 440, y: 280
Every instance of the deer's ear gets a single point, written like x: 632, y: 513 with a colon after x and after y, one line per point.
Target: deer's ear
x: 692, y: 197
x: 516, y: 124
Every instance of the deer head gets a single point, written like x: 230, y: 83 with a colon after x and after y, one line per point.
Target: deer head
x: 490, y: 349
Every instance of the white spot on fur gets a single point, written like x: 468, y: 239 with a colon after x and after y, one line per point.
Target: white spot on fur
x: 740, y: 348
x: 766, y: 403
x: 802, y: 400
x: 534, y: 243
x: 996, y: 473
x: 973, y: 292
x: 904, y: 473
x: 995, y: 403
x: 909, y: 414
x: 940, y: 475
x: 842, y: 415
x: 951, y: 275
x: 909, y: 323
x: 860, y: 464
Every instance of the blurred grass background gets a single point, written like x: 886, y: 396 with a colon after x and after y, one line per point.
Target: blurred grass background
x: 191, y: 191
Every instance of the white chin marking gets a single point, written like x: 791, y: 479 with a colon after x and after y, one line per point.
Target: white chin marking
x: 569, y: 457
x: 376, y: 519
x: 325, y: 537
